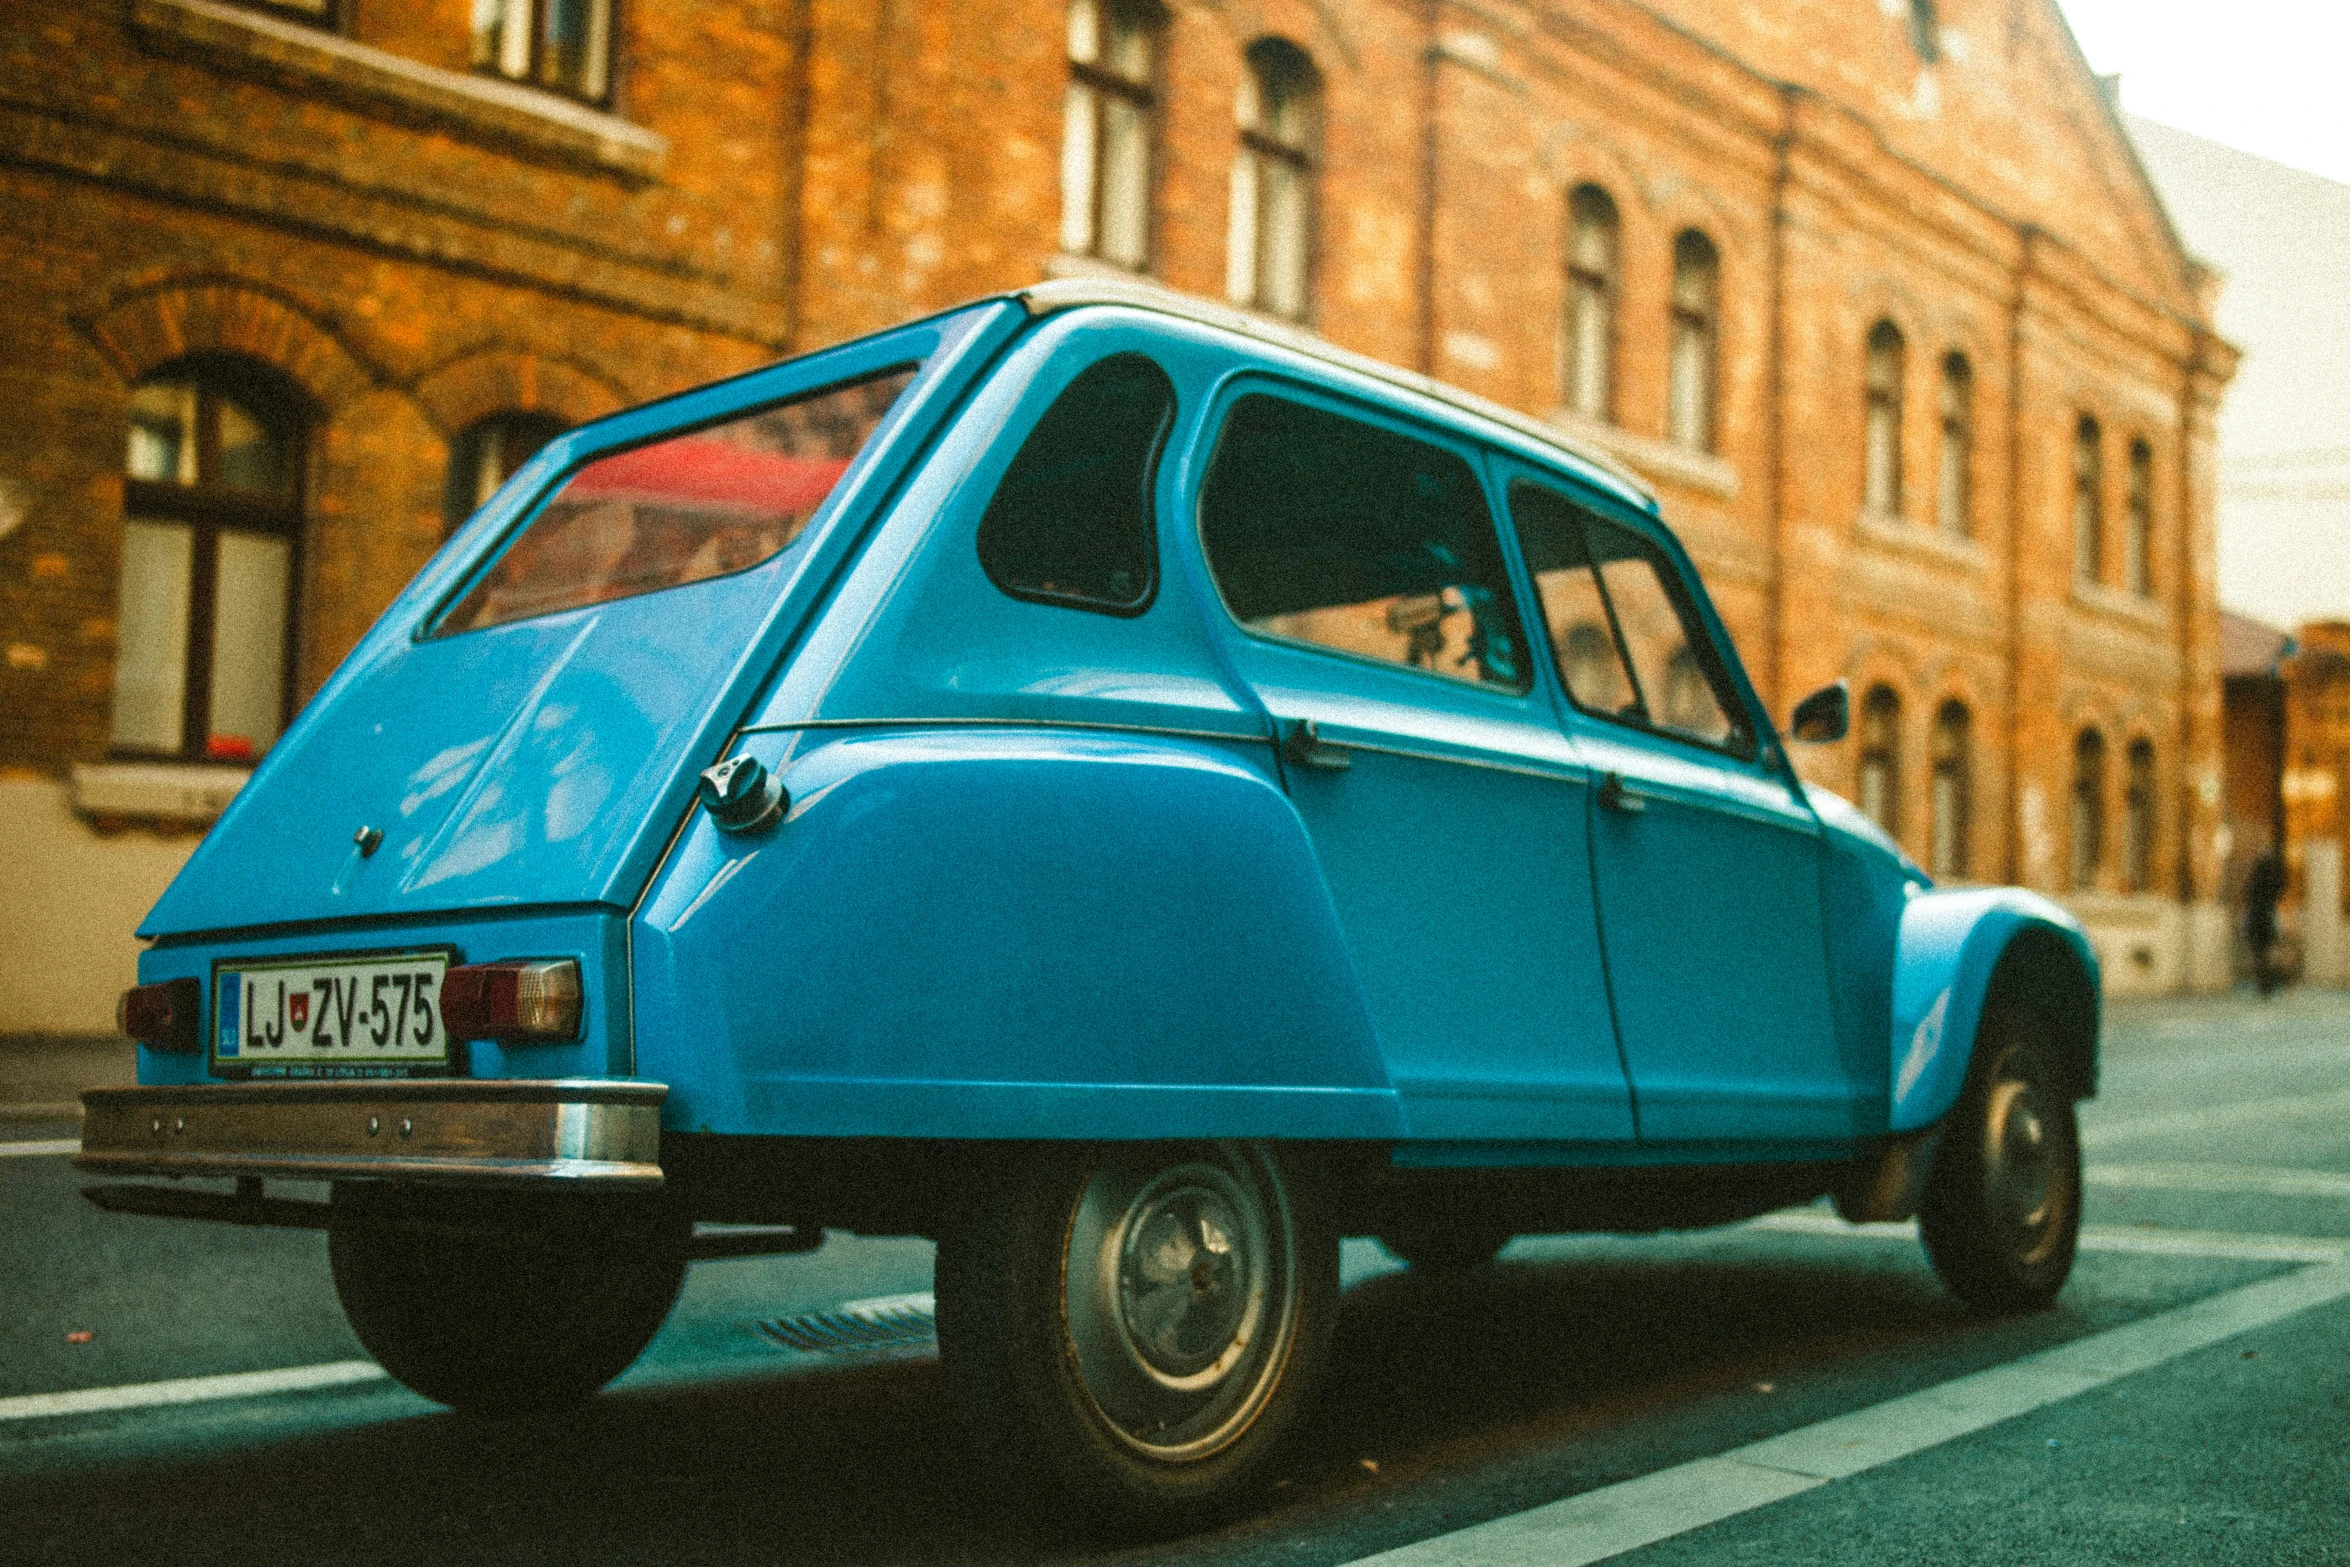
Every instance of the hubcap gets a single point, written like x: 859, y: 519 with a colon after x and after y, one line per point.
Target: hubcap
x: 1181, y: 1297
x: 2020, y: 1176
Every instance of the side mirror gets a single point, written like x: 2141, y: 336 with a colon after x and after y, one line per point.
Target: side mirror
x: 1824, y: 715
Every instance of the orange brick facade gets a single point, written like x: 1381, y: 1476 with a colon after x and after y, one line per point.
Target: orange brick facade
x: 417, y: 246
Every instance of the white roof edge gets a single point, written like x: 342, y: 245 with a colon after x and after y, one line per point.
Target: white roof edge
x: 1042, y: 299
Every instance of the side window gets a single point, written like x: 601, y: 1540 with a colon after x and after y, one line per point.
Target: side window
x: 1071, y: 521
x: 1327, y: 530
x: 701, y: 504
x: 1628, y: 640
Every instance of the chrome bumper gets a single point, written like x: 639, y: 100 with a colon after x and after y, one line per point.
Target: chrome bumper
x: 477, y: 1130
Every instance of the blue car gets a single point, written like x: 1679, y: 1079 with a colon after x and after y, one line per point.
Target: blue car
x: 1112, y: 785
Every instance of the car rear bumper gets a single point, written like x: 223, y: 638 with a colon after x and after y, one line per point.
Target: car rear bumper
x: 566, y: 1131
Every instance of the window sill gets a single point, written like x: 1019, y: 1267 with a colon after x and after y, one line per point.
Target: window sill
x: 504, y: 113
x: 1658, y: 461
x: 1913, y: 538
x: 155, y: 791
x: 2132, y: 608
x: 1063, y: 263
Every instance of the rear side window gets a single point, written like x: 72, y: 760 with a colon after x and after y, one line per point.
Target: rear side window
x: 1071, y: 521
x: 1328, y: 530
x: 1629, y: 642
x: 711, y: 501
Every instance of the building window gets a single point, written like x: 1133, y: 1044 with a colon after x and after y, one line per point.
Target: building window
x: 1925, y: 30
x: 2088, y: 809
x: 2138, y: 817
x: 2088, y: 501
x: 319, y: 13
x: 1953, y: 762
x: 1269, y: 264
x: 486, y: 455
x: 1954, y: 488
x: 1689, y: 408
x: 2138, y: 561
x: 564, y: 45
x: 1881, y: 482
x: 212, y: 528
x: 1592, y: 230
x: 1880, y: 758
x: 1107, y: 131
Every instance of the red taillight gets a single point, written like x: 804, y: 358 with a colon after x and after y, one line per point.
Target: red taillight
x: 161, y: 1017
x: 512, y: 1002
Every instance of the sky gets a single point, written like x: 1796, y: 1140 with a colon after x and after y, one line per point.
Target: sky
x: 2261, y: 75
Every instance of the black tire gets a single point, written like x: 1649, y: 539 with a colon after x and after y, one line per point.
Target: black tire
x: 1121, y: 1374
x: 504, y: 1303
x: 2001, y: 1214
x: 1432, y: 1245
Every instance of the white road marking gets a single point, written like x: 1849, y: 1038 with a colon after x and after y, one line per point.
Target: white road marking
x: 189, y: 1390
x: 2245, y: 1179
x: 36, y: 1150
x: 2100, y: 1134
x: 2095, y: 1237
x: 1617, y: 1518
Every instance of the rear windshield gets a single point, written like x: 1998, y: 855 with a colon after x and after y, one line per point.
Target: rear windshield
x: 715, y: 500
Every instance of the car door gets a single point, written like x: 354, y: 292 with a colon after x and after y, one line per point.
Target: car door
x: 1373, y: 618
x: 1704, y: 858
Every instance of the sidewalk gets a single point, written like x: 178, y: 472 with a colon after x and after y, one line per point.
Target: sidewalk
x: 42, y: 1075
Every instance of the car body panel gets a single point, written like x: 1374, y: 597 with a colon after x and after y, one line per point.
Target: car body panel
x: 1951, y: 946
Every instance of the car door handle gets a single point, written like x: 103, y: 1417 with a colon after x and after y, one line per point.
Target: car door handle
x: 1616, y: 797
x: 1303, y: 746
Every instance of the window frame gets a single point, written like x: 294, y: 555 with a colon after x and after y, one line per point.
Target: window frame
x: 1880, y: 701
x: 1706, y: 325
x: 1260, y: 147
x: 1747, y: 743
x: 2087, y: 493
x: 209, y: 509
x: 2087, y: 798
x: 1950, y: 754
x: 2138, y: 515
x: 2141, y: 805
x: 1884, y: 369
x: 1956, y: 425
x: 533, y: 72
x: 1208, y: 440
x: 1147, y: 98
x: 1591, y: 199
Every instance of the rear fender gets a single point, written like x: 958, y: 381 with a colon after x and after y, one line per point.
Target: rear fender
x: 1007, y: 932
x: 1957, y: 948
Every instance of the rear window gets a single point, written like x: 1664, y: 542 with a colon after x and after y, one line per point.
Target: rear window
x: 715, y: 500
x: 1327, y: 530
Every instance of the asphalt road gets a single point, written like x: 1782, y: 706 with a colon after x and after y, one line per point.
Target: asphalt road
x: 1478, y: 1419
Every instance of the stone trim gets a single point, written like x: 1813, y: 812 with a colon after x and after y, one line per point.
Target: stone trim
x: 180, y: 316
x: 154, y: 791
x: 1916, y: 538
x: 1662, y: 462
x: 503, y: 112
x: 2134, y: 609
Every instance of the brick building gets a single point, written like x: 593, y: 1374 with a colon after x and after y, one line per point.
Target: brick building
x: 1873, y: 290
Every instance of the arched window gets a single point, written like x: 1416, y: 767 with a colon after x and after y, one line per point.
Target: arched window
x: 1592, y: 231
x: 1107, y: 130
x: 1269, y: 262
x: 1881, y: 481
x: 212, y: 494
x: 1697, y: 275
x: 2088, y: 809
x: 1880, y: 758
x: 2138, y: 560
x: 1953, y: 762
x: 1954, y: 487
x: 485, y: 455
x: 2088, y: 501
x: 2138, y: 817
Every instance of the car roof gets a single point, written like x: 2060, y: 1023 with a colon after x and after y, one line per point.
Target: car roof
x: 1047, y: 298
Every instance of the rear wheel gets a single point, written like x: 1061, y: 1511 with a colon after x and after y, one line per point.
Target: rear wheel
x: 1129, y: 1334
x: 2001, y: 1214
x: 503, y: 1303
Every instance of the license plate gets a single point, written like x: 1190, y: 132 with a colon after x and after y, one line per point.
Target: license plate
x: 376, y: 1016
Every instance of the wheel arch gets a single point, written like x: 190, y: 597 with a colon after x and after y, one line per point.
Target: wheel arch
x: 1965, y: 951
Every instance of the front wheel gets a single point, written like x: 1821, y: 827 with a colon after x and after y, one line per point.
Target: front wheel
x: 2001, y: 1215
x: 503, y: 1304
x: 1129, y: 1333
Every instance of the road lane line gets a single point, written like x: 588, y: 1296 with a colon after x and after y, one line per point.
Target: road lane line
x: 36, y: 1150
x: 2249, y: 1180
x: 1614, y: 1519
x: 2095, y: 1237
x: 2096, y: 1134
x: 189, y: 1390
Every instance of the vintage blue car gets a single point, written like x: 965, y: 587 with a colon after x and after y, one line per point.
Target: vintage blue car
x: 1112, y: 785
